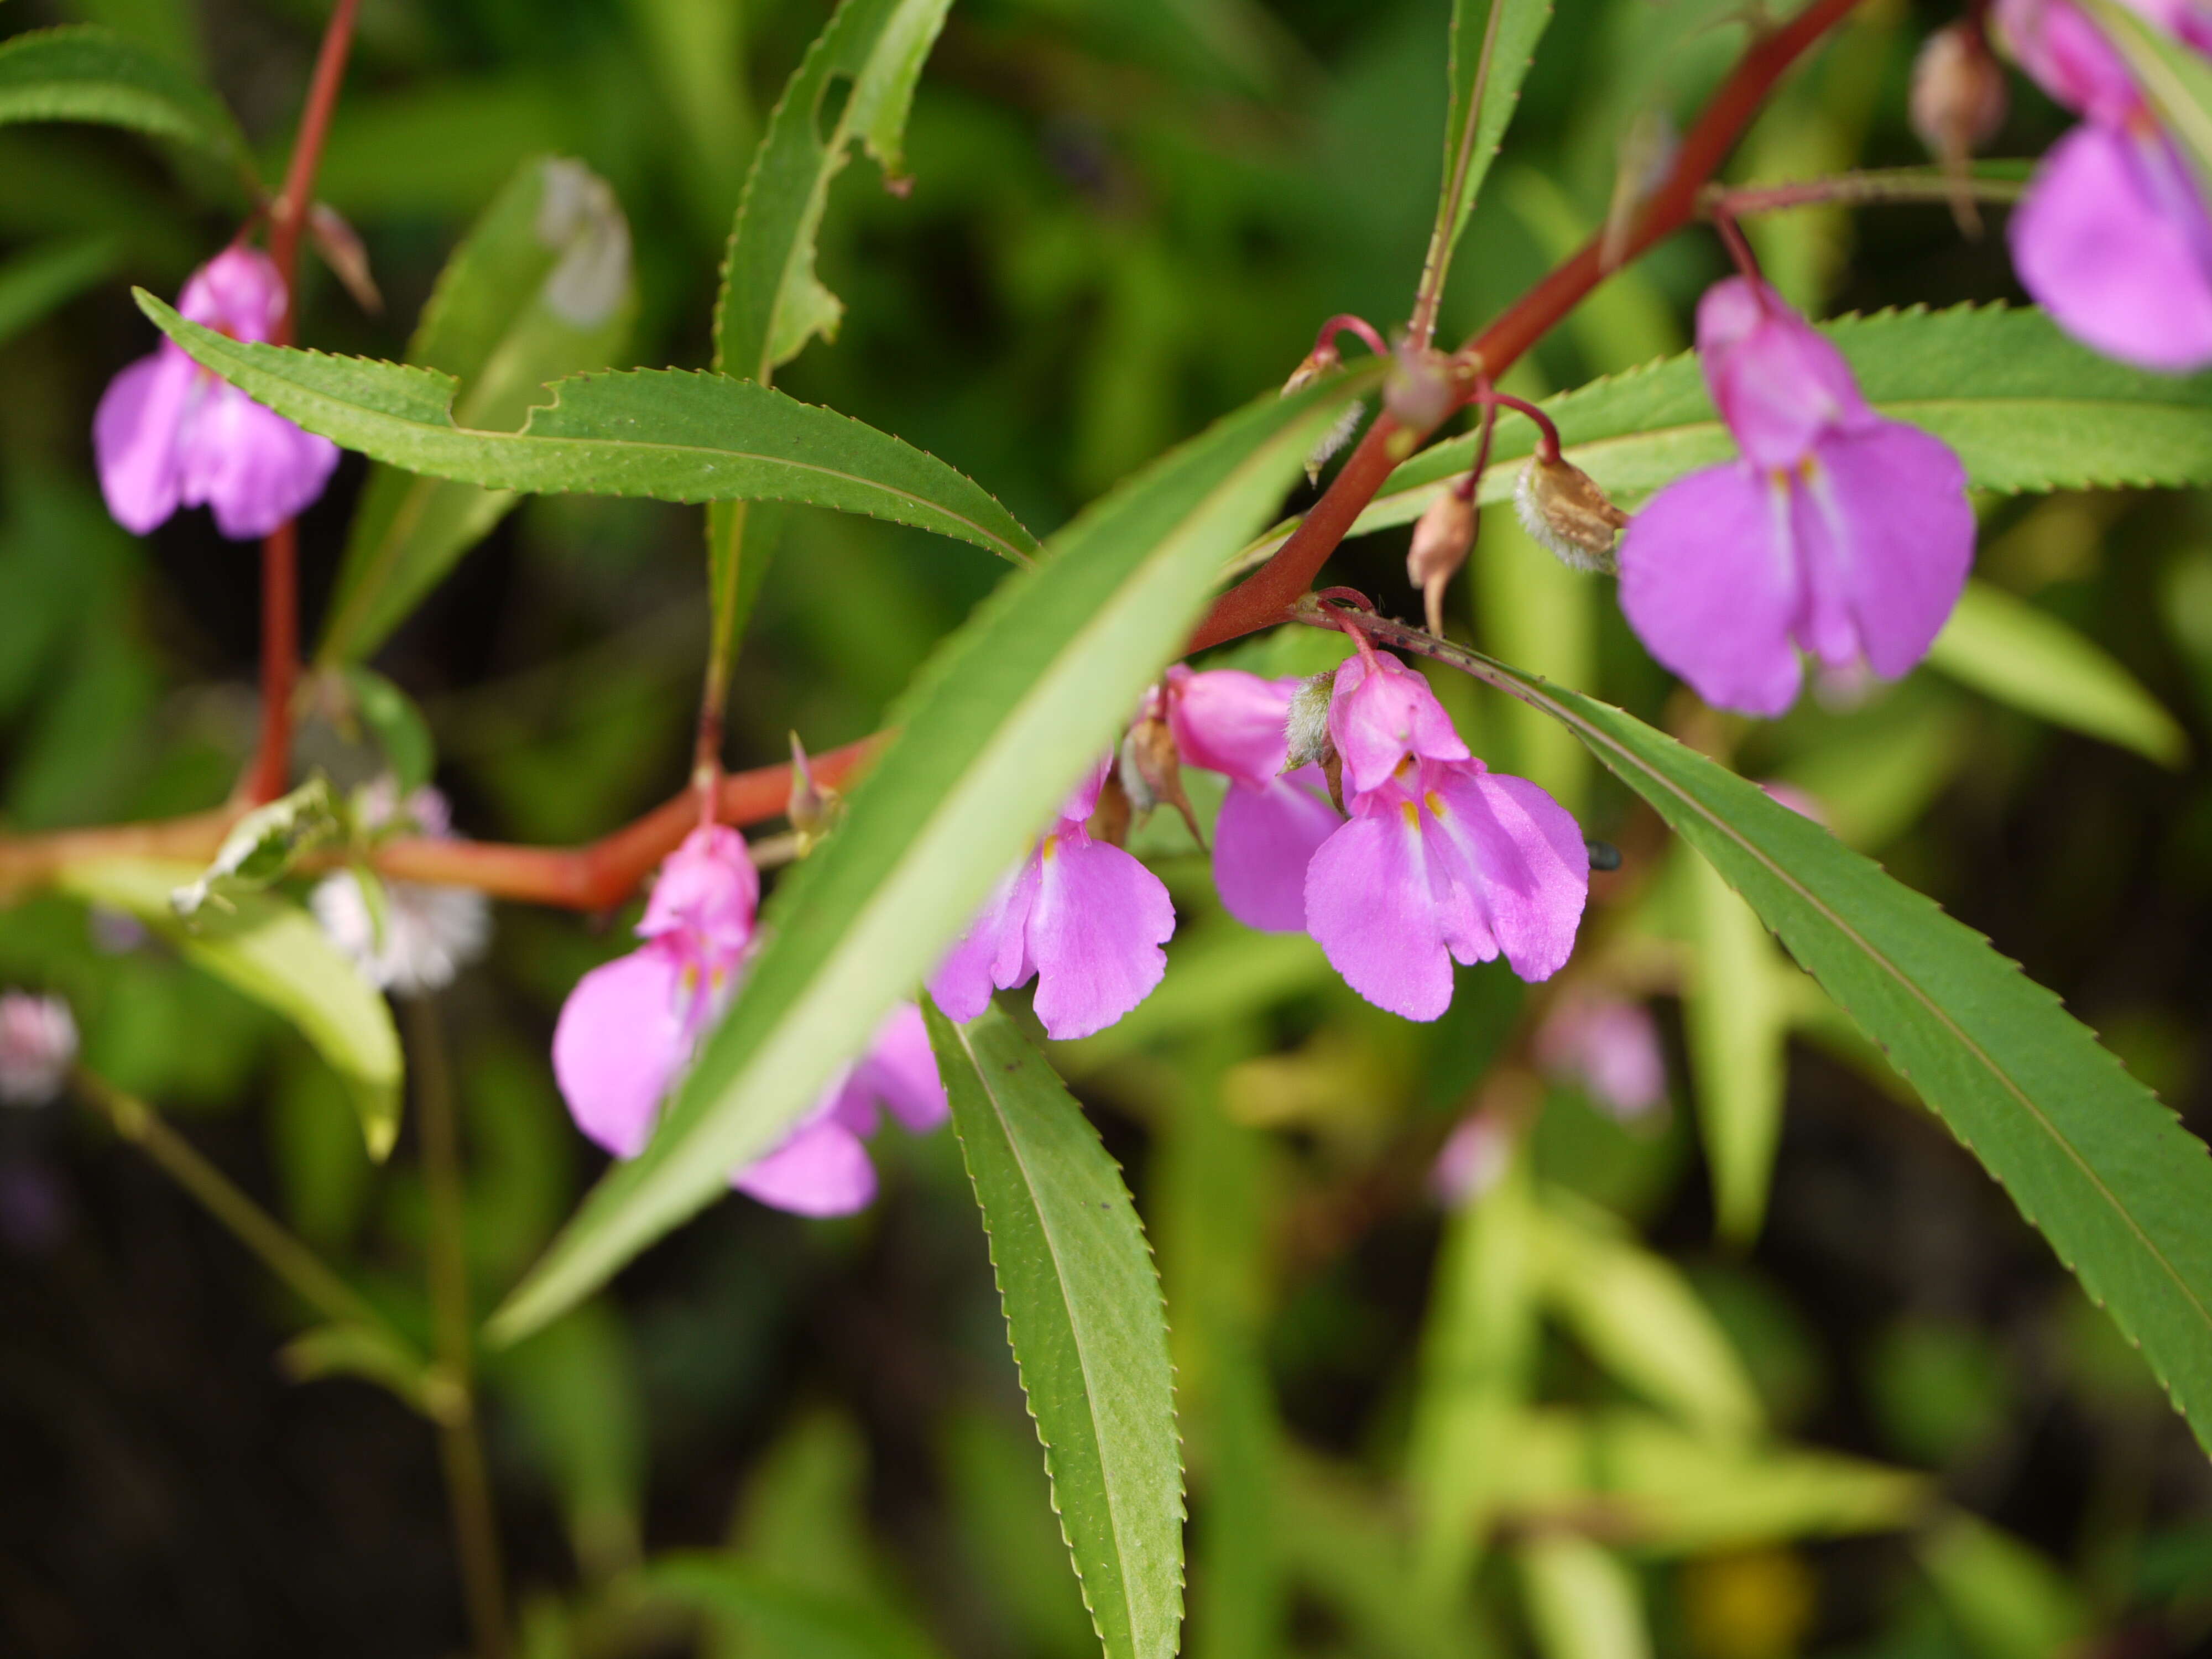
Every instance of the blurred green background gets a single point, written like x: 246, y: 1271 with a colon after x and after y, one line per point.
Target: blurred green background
x: 1866, y: 1414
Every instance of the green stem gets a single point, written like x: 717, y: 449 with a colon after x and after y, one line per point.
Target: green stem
x: 299, y: 1267
x: 468, y: 1488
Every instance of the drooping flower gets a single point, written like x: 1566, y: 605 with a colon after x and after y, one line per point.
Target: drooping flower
x: 1271, y: 824
x: 1836, y: 530
x: 422, y: 935
x: 1081, y: 916
x: 1608, y: 1047
x: 631, y: 1026
x: 1441, y: 860
x: 2113, y: 237
x: 38, y: 1045
x: 169, y: 434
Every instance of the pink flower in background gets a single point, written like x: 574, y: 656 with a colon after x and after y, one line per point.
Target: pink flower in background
x: 1441, y: 860
x: 1472, y: 1161
x: 1837, y: 532
x: 38, y: 1045
x: 1607, y: 1047
x: 168, y: 433
x: 1082, y: 916
x: 632, y: 1025
x: 1271, y: 824
x: 2113, y: 237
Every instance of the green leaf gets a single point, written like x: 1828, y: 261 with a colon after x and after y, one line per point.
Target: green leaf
x: 666, y: 434
x: 375, y: 1356
x: 36, y: 282
x: 2025, y: 408
x: 793, y: 1616
x: 2090, y: 1157
x: 1584, y: 1602
x: 2008, y: 1600
x: 997, y: 728
x: 1087, y: 1325
x: 273, y: 953
x: 397, y: 724
x: 1492, y: 44
x: 263, y: 845
x: 86, y: 73
x: 540, y: 290
x: 771, y: 302
x: 2008, y: 649
x: 1736, y: 1020
x: 1640, y: 1318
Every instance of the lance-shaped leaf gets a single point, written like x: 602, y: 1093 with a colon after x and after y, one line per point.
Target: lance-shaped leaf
x: 540, y: 290
x: 2090, y: 1157
x: 88, y: 73
x: 998, y: 727
x: 771, y: 302
x: 1087, y: 1325
x: 1492, y: 44
x: 2025, y: 408
x: 273, y: 953
x: 667, y: 434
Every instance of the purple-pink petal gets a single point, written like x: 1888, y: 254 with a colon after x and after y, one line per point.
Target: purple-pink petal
x: 625, y: 1031
x: 1262, y: 842
x: 707, y: 888
x: 1709, y: 579
x: 1777, y: 383
x: 1372, y: 905
x: 1885, y: 534
x: 2113, y: 241
x: 994, y: 950
x: 1521, y: 854
x: 900, y: 1070
x: 823, y: 1169
x: 1094, y: 934
x: 252, y: 467
x: 237, y: 293
x: 1378, y: 716
x: 134, y: 438
x: 1230, y: 721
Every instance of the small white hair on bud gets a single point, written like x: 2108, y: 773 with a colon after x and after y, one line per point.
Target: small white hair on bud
x: 1334, y: 439
x: 1567, y: 514
x: 38, y: 1045
x: 1305, y: 729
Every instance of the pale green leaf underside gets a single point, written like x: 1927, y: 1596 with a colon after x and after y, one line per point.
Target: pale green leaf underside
x: 539, y: 289
x: 2005, y: 648
x: 1085, y: 1316
x: 2025, y: 408
x: 998, y: 727
x: 273, y: 952
x: 667, y: 434
x: 2090, y: 1157
x: 88, y: 73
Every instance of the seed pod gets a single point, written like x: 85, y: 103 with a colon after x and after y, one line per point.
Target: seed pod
x: 1305, y: 730
x: 1561, y: 506
x: 1441, y: 540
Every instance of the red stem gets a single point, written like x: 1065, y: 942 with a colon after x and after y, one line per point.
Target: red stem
x: 1261, y: 598
x: 280, y: 551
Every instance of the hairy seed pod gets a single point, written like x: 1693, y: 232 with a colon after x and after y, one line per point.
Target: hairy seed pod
x: 1305, y: 729
x: 1561, y: 507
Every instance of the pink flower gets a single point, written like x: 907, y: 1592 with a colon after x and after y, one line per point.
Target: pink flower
x: 1609, y: 1048
x: 630, y: 1027
x: 38, y: 1045
x: 1271, y: 824
x: 168, y: 433
x: 1837, y: 532
x: 1473, y: 1160
x: 1081, y: 916
x: 1440, y: 860
x: 2113, y: 238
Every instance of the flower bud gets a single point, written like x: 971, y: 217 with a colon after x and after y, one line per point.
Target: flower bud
x: 1110, y: 812
x: 1441, y: 539
x: 38, y: 1044
x: 1418, y: 392
x: 1151, y: 771
x: 1318, y: 361
x: 814, y: 808
x: 1561, y: 507
x: 1958, y: 103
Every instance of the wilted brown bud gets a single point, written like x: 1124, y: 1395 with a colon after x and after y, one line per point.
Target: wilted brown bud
x: 814, y: 808
x: 1318, y: 362
x: 342, y: 251
x: 1418, y: 392
x: 1152, y: 772
x: 1561, y: 506
x: 1305, y: 729
x: 1958, y: 103
x: 1441, y: 539
x: 1109, y: 819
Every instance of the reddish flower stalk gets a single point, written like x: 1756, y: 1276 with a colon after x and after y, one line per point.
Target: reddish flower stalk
x: 280, y: 556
